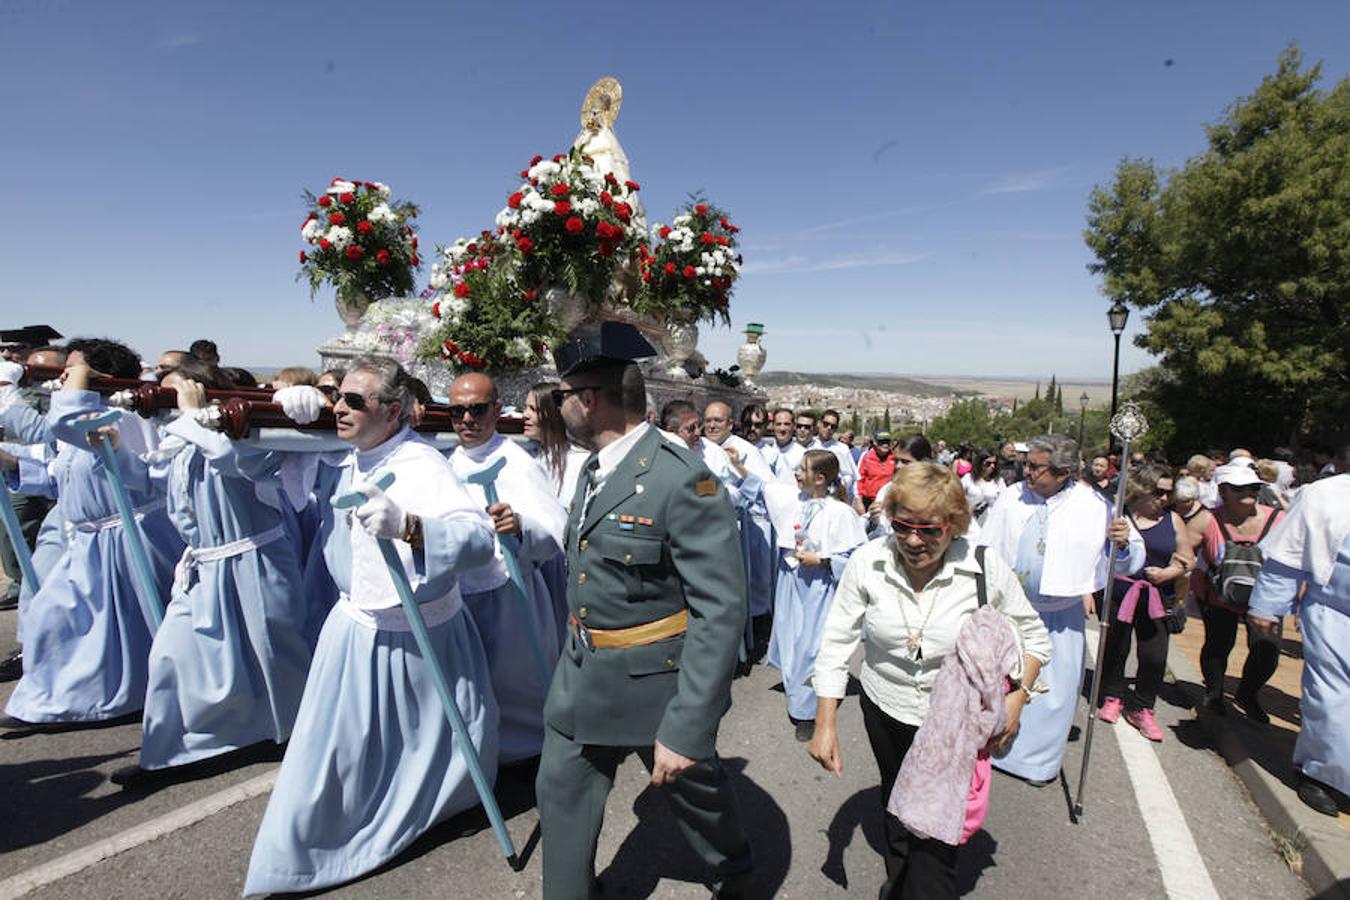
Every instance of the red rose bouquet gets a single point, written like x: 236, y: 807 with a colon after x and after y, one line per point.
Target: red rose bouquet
x: 570, y: 226
x: 693, y: 266
x: 358, y: 240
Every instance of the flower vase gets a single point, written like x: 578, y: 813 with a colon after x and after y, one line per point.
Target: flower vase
x: 352, y: 304
x: 680, y: 343
x: 751, y: 355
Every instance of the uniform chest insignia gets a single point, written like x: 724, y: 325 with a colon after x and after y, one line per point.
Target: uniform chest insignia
x: 642, y: 461
x: 639, y: 489
x: 706, y: 488
x: 612, y: 517
x: 645, y: 521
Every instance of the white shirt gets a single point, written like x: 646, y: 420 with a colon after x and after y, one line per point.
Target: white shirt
x: 875, y: 596
x: 612, y: 455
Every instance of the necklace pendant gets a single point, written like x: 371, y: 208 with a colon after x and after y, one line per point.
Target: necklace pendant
x: 914, y: 647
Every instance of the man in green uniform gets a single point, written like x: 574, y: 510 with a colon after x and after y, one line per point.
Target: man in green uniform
x: 656, y: 596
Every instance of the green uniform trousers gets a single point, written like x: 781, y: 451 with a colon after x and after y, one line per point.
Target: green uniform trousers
x: 575, y: 780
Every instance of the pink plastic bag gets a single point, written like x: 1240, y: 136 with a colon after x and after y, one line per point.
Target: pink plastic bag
x: 977, y: 804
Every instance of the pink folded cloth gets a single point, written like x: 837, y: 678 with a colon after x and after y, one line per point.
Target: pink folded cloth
x: 1125, y: 613
x: 934, y: 792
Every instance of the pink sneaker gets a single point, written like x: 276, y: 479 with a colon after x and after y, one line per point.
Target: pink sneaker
x: 1110, y: 710
x: 1144, y: 721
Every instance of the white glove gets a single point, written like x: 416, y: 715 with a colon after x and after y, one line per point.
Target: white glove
x: 301, y: 402
x: 380, y: 516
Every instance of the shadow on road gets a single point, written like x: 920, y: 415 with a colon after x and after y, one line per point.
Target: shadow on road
x: 51, y: 797
x: 654, y: 849
x: 863, y: 812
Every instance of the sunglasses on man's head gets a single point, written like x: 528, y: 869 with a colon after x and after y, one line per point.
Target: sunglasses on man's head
x: 927, y: 532
x: 474, y: 410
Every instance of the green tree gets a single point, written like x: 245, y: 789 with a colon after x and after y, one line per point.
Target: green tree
x: 966, y: 422
x: 886, y: 419
x: 1241, y: 261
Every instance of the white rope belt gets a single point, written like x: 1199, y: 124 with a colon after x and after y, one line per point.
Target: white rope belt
x: 185, y: 573
x: 93, y: 526
x: 392, y: 618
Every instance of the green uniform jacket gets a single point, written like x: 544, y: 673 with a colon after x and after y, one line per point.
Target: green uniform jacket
x: 660, y: 537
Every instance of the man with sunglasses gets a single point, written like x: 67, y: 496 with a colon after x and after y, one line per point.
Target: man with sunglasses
x: 530, y: 519
x: 656, y: 598
x: 1057, y: 535
x: 371, y: 724
x: 825, y: 440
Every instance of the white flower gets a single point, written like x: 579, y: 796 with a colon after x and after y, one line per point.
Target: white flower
x: 529, y: 216
x: 681, y: 220
x: 439, y: 280
x: 311, y: 230
x: 507, y: 217
x: 381, y: 188
x: 342, y: 187
x: 522, y: 348
x: 382, y: 213
x: 656, y: 230
x: 455, y: 306
x: 587, y: 207
x: 339, y: 237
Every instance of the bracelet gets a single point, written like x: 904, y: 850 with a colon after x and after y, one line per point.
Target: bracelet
x: 412, y: 531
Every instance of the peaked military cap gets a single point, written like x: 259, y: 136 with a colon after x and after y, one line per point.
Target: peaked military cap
x: 616, y: 342
x: 31, y: 336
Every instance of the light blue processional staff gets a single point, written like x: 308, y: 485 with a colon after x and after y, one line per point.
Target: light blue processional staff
x: 353, y: 500
x: 486, y: 478
x: 15, y: 532
x: 140, y: 559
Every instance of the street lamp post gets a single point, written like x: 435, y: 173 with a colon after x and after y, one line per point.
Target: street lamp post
x: 1082, y: 417
x: 1117, y: 316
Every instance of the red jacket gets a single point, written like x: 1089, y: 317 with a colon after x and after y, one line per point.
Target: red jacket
x: 873, y: 473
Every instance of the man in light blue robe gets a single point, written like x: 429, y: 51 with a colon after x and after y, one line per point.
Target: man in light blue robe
x: 228, y: 664
x: 1310, y: 548
x: 1052, y: 530
x: 371, y: 725
x: 529, y: 516
x: 87, y: 630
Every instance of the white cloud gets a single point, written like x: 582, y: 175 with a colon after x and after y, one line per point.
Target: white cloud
x: 177, y: 41
x: 1022, y: 182
x: 786, y: 264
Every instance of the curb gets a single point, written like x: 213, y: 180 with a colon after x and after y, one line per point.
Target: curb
x: 1323, y: 843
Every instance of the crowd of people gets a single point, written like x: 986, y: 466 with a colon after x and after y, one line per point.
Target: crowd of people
x: 591, y: 590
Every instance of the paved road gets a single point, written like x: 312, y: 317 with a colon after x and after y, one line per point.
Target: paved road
x: 1172, y: 821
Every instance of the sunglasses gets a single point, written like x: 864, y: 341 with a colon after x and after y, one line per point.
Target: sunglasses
x: 825, y: 424
x: 1162, y: 492
x: 355, y: 402
x: 475, y: 410
x: 804, y: 425
x: 560, y: 394
x: 927, y: 532
x: 330, y: 391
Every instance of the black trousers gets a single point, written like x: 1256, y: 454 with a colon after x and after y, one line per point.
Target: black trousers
x: 1151, y: 640
x: 1263, y: 655
x: 575, y: 780
x: 916, y: 868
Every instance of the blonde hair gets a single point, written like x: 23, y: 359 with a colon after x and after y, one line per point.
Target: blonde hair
x: 296, y: 375
x: 1267, y: 470
x: 1143, y: 481
x: 1199, y: 464
x: 930, y: 490
x: 823, y: 462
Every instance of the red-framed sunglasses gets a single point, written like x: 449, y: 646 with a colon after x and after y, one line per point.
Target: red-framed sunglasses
x: 927, y: 532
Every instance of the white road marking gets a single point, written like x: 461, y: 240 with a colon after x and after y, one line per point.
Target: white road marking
x: 65, y: 866
x: 1183, y: 870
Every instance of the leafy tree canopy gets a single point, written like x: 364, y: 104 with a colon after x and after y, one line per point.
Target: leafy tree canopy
x: 1241, y: 261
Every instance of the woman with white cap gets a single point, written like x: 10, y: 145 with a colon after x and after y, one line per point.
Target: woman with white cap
x: 1224, y: 586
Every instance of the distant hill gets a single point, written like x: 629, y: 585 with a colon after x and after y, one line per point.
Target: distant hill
x: 894, y: 384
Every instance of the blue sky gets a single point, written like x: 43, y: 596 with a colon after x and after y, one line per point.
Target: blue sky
x: 911, y: 180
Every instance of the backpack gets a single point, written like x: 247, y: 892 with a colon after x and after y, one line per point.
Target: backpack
x: 1235, y: 575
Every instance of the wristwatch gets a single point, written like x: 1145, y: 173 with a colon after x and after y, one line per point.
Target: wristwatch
x: 1015, y: 684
